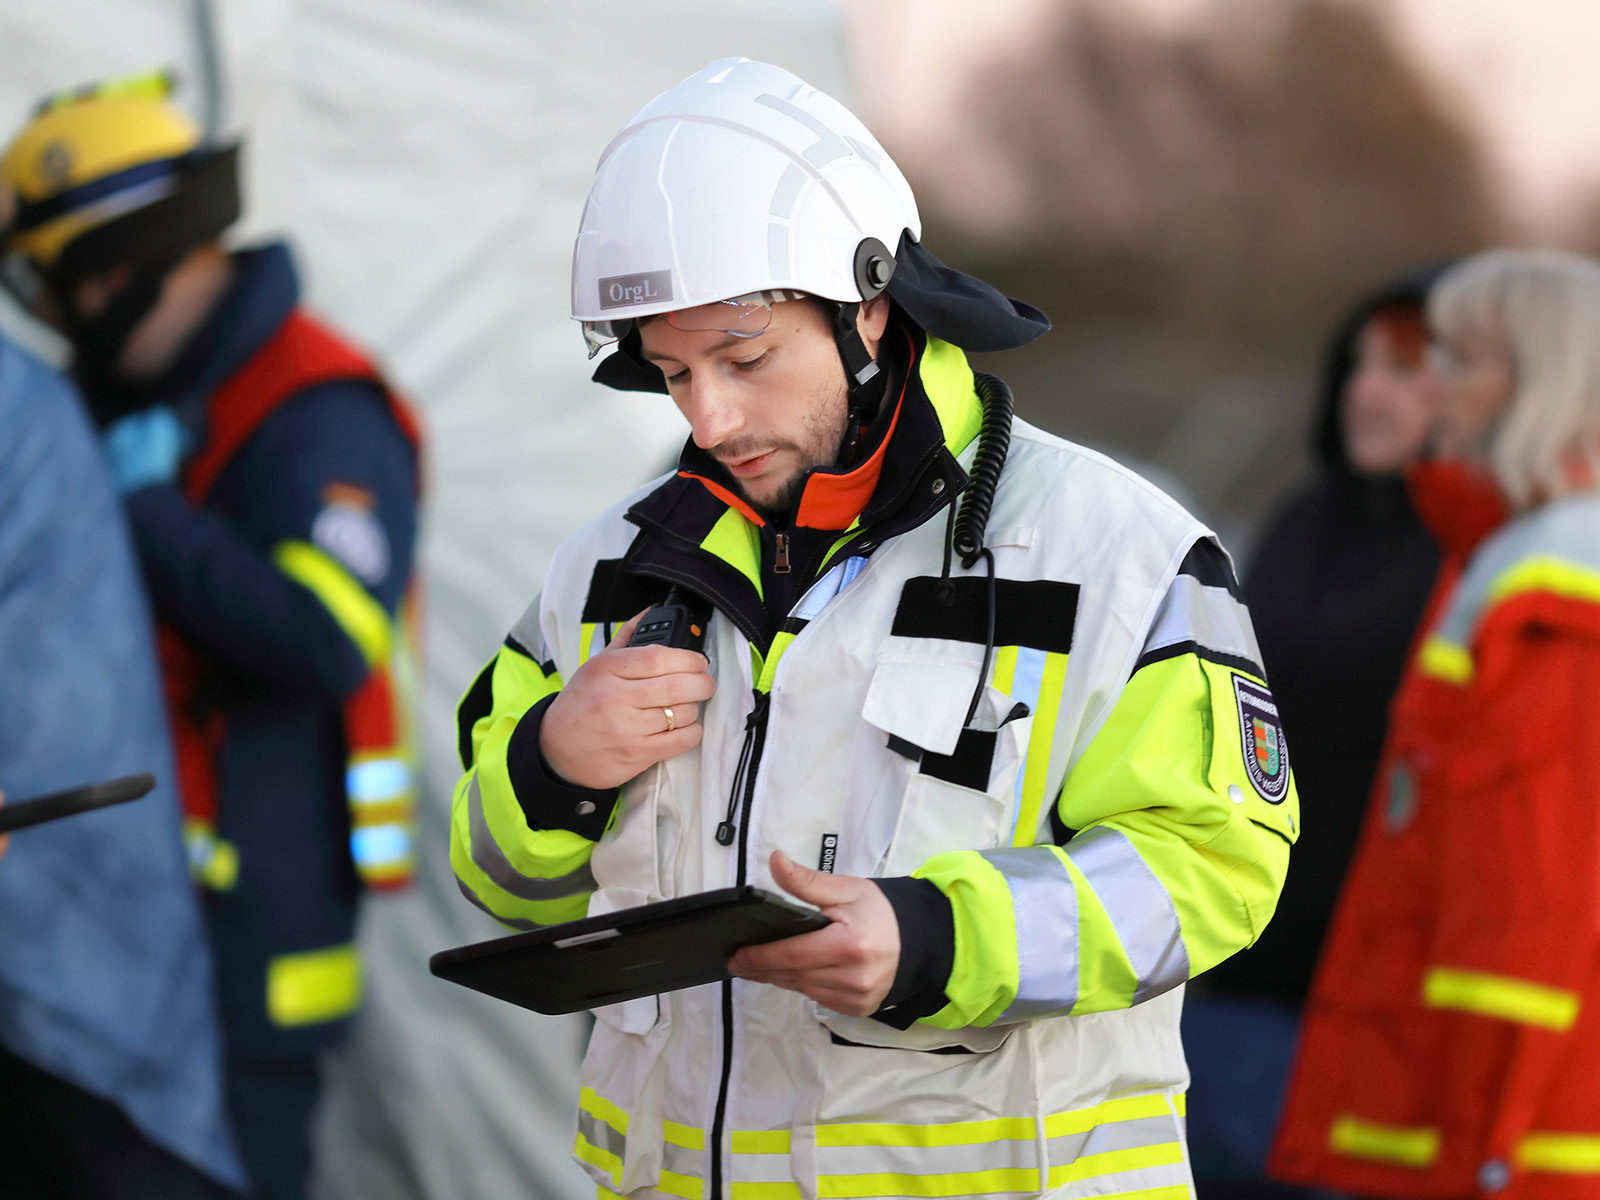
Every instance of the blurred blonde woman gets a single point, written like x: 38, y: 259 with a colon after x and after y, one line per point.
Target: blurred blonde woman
x: 1452, y: 1043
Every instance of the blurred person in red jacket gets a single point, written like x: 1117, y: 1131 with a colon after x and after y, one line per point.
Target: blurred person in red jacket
x: 1453, y: 1031
x: 1336, y: 587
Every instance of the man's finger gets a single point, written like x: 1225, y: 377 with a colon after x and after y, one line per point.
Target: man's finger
x: 651, y: 662
x: 685, y: 688
x: 624, y: 633
x: 804, y: 952
x: 814, y: 887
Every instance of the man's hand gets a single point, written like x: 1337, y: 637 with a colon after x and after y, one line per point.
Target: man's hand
x: 849, y: 966
x: 609, y: 722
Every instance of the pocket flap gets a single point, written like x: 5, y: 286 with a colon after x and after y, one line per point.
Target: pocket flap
x: 866, y: 1032
x: 923, y: 698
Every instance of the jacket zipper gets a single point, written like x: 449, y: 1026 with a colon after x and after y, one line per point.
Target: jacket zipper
x: 742, y: 797
x: 780, y: 559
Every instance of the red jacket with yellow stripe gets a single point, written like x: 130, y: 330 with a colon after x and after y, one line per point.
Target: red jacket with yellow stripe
x: 1452, y: 1036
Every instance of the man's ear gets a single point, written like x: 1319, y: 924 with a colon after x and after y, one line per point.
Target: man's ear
x: 872, y: 318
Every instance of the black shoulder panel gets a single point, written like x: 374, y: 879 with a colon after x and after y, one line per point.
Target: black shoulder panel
x: 1207, y: 563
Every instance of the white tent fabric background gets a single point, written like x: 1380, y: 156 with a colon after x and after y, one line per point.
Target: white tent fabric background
x: 430, y: 158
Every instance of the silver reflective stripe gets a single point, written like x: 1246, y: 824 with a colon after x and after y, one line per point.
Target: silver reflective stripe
x: 1139, y: 907
x: 488, y: 858
x: 1119, y: 1135
x: 513, y: 922
x: 681, y: 1160
x: 1208, y: 616
x: 787, y: 192
x: 828, y: 145
x: 1563, y: 529
x: 1045, y: 903
x: 597, y: 1133
x: 526, y: 631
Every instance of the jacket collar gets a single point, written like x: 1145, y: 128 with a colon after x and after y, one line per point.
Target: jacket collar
x: 1458, y: 505
x: 697, y: 532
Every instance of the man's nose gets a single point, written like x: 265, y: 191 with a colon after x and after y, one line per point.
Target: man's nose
x: 714, y: 417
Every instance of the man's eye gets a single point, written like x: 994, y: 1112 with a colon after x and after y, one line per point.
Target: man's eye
x: 750, y: 364
x: 679, y: 377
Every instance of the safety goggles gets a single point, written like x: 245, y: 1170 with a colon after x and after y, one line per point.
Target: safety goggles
x: 744, y: 316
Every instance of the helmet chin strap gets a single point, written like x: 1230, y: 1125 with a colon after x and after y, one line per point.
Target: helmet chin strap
x: 864, y: 379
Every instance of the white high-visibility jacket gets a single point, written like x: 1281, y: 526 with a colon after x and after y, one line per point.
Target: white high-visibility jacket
x: 1116, y: 818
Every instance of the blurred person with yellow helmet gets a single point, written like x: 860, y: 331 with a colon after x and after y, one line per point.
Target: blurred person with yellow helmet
x: 270, y: 479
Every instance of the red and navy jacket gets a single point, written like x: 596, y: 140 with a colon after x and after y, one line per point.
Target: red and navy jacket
x: 278, y: 566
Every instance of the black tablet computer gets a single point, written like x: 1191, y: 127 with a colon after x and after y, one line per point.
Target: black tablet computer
x: 625, y: 954
x: 22, y: 813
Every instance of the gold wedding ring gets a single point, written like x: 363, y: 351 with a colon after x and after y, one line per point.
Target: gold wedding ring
x: 671, y: 724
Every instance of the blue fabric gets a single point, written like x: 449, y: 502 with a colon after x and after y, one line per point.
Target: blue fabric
x: 144, y: 448
x: 279, y: 665
x: 105, y: 979
x: 1240, y: 1051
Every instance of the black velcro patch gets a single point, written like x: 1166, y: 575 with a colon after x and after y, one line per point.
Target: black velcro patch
x: 1038, y: 613
x: 968, y: 765
x: 616, y: 596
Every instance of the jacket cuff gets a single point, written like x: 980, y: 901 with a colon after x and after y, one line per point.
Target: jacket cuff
x: 549, y: 801
x: 927, y: 950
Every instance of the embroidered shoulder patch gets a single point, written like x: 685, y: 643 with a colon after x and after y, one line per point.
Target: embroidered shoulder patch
x: 1266, y: 755
x: 354, y: 536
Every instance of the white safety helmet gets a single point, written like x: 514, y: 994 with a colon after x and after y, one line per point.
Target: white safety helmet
x: 743, y: 179
x: 744, y: 186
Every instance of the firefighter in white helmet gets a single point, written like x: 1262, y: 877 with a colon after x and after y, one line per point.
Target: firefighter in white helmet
x: 985, y: 698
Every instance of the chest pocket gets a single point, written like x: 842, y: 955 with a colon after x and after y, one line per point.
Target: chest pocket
x: 944, y: 783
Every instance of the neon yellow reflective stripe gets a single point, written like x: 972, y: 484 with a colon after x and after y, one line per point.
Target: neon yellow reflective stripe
x: 608, y: 1162
x: 586, y: 640
x: 605, y: 1194
x: 1081, y: 1120
x: 1005, y: 668
x: 597, y: 1106
x: 947, y: 379
x: 736, y: 542
x: 316, y: 986
x: 957, y: 1133
x: 827, y: 559
x: 1408, y: 1146
x: 765, y: 1191
x: 1037, y: 769
x: 1180, y: 1104
x: 689, y: 1187
x: 359, y: 615
x: 1113, y: 1162
x: 1501, y: 996
x: 762, y: 1141
x: 1445, y: 660
x: 1176, y: 1191
x: 1546, y: 573
x: 686, y: 1136
x: 780, y: 643
x: 1568, y: 1153
x: 212, y: 861
x: 963, y: 1183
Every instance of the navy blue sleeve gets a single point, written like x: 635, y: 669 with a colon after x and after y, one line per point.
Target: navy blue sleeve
x: 329, y: 468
